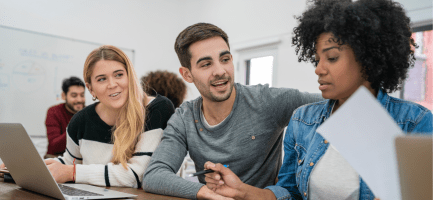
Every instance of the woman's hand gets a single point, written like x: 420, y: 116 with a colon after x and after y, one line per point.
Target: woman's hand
x: 2, y: 166
x: 223, y: 181
x: 61, y: 173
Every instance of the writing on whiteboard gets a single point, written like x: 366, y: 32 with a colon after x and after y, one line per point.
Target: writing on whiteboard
x: 45, y: 55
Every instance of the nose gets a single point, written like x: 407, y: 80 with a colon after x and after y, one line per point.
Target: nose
x: 111, y: 83
x: 320, y: 69
x: 81, y: 98
x: 219, y: 70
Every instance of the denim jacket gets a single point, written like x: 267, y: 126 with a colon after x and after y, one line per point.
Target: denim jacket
x: 303, y: 146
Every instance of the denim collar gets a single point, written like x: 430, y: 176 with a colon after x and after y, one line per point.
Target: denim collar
x: 382, y: 97
x: 327, y: 109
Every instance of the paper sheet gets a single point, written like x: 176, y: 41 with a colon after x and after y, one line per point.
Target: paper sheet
x: 363, y: 132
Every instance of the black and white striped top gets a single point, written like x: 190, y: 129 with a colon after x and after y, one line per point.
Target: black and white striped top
x: 89, y: 143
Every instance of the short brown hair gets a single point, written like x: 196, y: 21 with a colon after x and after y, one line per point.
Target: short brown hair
x: 165, y: 83
x: 192, y: 34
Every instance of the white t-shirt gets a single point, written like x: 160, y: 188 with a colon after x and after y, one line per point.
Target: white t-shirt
x: 333, y: 178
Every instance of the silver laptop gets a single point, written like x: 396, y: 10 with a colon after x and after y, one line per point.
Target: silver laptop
x: 414, y: 156
x: 30, y: 172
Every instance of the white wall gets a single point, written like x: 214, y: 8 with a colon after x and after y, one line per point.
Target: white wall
x: 420, y: 11
x: 150, y: 27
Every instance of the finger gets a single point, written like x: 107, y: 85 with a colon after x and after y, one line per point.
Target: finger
x: 48, y: 162
x: 208, y: 165
x: 221, y: 169
x: 210, y: 180
x: 213, y: 181
x: 217, y: 176
x: 210, y: 185
x: 210, y: 175
x: 214, y: 176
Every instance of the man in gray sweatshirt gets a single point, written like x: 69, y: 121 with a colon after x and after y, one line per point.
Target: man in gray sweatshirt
x: 236, y: 125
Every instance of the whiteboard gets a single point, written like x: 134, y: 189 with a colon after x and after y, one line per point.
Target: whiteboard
x: 32, y: 68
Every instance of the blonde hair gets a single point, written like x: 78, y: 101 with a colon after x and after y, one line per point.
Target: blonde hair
x: 130, y: 120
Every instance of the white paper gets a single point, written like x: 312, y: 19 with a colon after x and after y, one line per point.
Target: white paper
x: 363, y: 132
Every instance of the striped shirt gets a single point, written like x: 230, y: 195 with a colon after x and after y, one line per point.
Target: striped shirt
x: 89, y: 143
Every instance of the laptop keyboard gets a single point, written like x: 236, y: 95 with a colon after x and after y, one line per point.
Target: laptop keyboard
x: 76, y: 192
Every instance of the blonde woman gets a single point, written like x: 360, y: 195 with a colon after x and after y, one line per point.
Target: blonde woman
x: 106, y: 145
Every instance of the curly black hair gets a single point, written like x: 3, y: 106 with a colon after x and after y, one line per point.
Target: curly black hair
x: 378, y: 31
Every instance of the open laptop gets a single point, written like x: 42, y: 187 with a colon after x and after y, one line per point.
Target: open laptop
x: 30, y: 172
x: 414, y: 156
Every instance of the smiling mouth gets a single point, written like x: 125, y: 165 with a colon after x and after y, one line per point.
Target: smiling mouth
x: 115, y: 94
x: 220, y: 83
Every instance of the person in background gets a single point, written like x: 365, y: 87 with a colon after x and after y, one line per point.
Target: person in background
x: 163, y: 90
x: 241, y: 126
x: 165, y: 83
x: 106, y: 145
x: 364, y: 43
x: 58, y: 116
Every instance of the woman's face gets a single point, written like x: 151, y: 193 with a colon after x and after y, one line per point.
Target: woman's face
x: 339, y: 73
x: 109, y: 82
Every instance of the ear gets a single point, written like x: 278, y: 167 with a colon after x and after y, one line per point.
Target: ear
x: 89, y: 87
x: 186, y: 74
x: 63, y: 96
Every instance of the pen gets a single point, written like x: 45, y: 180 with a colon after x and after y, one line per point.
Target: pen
x: 204, y: 172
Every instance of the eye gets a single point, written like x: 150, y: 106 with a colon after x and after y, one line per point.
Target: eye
x: 100, y: 79
x: 119, y: 75
x: 224, y: 60
x: 333, y: 59
x: 206, y: 64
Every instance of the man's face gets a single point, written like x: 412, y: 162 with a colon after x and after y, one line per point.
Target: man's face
x: 212, y: 69
x: 75, y: 98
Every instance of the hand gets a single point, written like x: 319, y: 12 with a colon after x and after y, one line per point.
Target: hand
x: 206, y: 193
x: 223, y: 181
x: 2, y: 166
x: 61, y: 173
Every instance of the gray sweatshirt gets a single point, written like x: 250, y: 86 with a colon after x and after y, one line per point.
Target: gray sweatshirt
x: 249, y: 140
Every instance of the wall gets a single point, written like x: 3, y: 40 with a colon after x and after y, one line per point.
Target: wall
x: 151, y: 26
x: 148, y: 27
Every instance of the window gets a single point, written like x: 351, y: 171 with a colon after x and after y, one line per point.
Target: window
x: 257, y: 66
x: 259, y: 70
x: 418, y: 86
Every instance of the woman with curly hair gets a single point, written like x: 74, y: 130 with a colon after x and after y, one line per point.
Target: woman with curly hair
x: 352, y: 44
x: 164, y: 83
